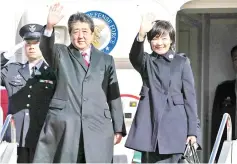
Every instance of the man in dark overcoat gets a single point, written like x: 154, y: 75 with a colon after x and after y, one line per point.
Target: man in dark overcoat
x: 225, y: 102
x: 30, y: 87
x: 85, y: 118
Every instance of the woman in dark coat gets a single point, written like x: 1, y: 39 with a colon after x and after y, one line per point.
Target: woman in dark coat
x: 166, y: 117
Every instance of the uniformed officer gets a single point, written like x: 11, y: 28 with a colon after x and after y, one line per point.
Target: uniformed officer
x: 30, y: 88
x: 225, y: 102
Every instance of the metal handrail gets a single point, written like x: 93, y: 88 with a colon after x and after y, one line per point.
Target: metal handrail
x: 226, y: 120
x: 9, y: 120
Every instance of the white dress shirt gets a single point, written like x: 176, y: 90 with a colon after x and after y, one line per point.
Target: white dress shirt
x: 37, y: 65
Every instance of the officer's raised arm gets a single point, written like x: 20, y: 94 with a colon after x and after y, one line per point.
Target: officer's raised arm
x: 47, y: 40
x: 4, y: 69
x: 137, y: 54
x: 4, y: 59
x: 6, y: 55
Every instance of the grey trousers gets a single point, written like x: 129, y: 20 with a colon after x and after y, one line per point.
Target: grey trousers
x: 155, y: 157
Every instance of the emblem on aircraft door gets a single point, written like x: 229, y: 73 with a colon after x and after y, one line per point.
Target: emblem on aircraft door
x: 106, y: 31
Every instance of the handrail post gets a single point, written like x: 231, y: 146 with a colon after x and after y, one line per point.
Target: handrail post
x: 13, y: 131
x: 229, y: 128
x: 9, y: 120
x: 226, y: 120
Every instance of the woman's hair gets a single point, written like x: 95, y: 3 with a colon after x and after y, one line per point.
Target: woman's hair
x: 159, y: 28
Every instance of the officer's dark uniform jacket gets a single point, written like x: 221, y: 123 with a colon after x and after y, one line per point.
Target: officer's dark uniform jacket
x: 224, y: 102
x: 167, y: 110
x: 29, y: 98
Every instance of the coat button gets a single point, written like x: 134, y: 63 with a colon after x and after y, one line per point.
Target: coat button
x: 30, y: 86
x: 166, y: 92
x: 29, y: 96
x: 27, y: 105
x: 84, y: 99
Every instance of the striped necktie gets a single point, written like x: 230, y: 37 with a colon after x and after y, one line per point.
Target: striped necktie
x: 85, y: 57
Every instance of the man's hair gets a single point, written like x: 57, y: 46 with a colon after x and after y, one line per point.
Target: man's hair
x: 80, y: 17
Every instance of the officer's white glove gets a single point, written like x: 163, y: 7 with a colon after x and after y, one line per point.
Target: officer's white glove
x: 11, y: 52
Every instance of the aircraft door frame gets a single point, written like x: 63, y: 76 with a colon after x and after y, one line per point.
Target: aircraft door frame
x: 193, y: 32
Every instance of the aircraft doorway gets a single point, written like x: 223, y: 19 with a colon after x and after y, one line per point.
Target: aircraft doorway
x: 207, y: 34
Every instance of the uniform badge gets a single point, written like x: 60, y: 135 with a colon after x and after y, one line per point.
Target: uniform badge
x: 171, y: 56
x: 45, y: 67
x: 32, y: 28
x: 228, y: 98
x: 46, y: 81
x: 227, y: 101
x: 17, y: 78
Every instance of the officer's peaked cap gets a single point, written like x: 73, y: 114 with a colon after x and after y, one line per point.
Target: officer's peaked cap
x: 31, y: 31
